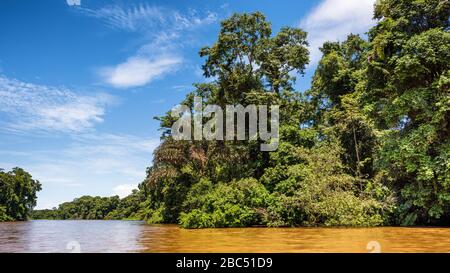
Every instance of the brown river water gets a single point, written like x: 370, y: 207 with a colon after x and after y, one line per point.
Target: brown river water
x: 136, y: 236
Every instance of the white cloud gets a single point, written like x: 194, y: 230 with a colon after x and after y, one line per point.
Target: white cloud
x: 112, y: 146
x: 333, y: 20
x: 98, y: 155
x: 91, y: 164
x: 145, y: 18
x: 182, y: 87
x: 166, y: 32
x: 124, y: 190
x: 73, y: 2
x: 191, y: 20
x: 45, y: 108
x: 138, y: 71
x: 131, y: 19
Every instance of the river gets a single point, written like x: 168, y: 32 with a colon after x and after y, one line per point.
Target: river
x: 136, y: 236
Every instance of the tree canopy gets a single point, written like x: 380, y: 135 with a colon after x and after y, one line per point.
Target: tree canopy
x: 368, y: 144
x: 17, y: 194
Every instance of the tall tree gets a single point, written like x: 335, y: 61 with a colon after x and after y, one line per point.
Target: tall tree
x: 408, y: 79
x: 17, y: 194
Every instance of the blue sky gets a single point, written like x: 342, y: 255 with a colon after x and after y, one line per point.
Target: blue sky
x: 81, y: 80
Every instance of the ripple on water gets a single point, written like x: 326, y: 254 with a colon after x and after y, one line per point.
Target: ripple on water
x: 136, y: 236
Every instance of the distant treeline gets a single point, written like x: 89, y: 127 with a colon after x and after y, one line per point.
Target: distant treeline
x: 95, y: 208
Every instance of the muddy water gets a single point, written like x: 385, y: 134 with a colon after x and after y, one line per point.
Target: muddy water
x: 134, y: 236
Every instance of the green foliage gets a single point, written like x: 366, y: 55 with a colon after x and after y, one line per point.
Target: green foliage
x: 3, y: 216
x: 128, y: 207
x: 321, y: 173
x: 44, y: 214
x: 88, y: 207
x: 234, y: 204
x: 96, y: 208
x: 408, y: 94
x: 312, y: 189
x: 17, y: 194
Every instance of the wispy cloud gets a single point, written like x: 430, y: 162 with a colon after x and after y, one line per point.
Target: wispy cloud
x: 89, y: 159
x: 333, y: 20
x: 138, y: 71
x: 182, y: 87
x: 144, y: 17
x: 91, y: 164
x: 110, y: 145
x: 134, y: 18
x: 166, y: 32
x: 44, y: 108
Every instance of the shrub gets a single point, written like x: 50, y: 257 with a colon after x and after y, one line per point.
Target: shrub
x: 236, y: 204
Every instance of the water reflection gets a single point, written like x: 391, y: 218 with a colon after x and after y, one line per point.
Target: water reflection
x: 59, y: 236
x: 134, y: 236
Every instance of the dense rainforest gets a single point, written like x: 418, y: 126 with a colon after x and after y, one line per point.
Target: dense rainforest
x: 367, y: 145
x: 95, y: 208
